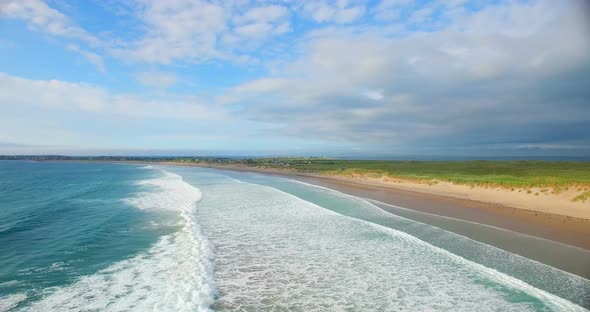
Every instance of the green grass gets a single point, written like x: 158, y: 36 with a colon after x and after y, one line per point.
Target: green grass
x: 582, y: 197
x: 557, y: 175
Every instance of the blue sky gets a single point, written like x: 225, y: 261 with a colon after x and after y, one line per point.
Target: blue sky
x: 383, y: 77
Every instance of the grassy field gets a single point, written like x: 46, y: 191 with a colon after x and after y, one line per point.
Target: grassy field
x: 494, y: 173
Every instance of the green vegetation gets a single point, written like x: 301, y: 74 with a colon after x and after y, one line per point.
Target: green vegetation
x: 582, y: 197
x: 522, y: 174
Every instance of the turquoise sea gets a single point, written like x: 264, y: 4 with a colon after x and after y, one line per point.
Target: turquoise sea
x: 124, y: 237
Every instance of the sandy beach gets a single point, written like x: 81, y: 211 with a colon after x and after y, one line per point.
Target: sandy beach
x: 536, y: 199
x: 553, y: 218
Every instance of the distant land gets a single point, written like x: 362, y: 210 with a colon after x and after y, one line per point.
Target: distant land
x: 557, y: 187
x: 504, y: 173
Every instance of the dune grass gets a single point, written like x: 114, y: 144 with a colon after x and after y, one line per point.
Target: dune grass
x: 582, y: 197
x: 557, y: 175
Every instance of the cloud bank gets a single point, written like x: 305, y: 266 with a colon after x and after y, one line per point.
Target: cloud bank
x: 392, y: 77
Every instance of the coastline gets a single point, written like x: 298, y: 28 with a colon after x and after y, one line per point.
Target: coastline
x: 536, y: 199
x: 573, y: 231
x: 570, y: 230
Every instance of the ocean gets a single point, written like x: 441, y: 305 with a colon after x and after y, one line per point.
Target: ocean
x: 126, y: 237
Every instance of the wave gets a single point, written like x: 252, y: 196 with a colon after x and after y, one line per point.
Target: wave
x: 299, y: 253
x: 542, y: 276
x: 11, y: 301
x: 175, y: 274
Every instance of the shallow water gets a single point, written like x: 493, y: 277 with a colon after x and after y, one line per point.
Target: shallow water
x: 100, y: 237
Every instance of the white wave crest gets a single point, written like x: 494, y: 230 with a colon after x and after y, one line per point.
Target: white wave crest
x: 176, y: 274
x: 11, y: 301
x: 169, y: 192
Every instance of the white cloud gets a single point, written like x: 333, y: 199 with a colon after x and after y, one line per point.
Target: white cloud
x: 518, y: 19
x: 390, y: 9
x: 68, y: 96
x: 453, y: 3
x: 53, y: 94
x: 282, y: 28
x: 256, y: 30
x: 422, y: 14
x: 199, y: 31
x: 262, y: 14
x: 264, y: 85
x: 91, y: 57
x: 375, y: 95
x: 41, y: 17
x: 156, y: 79
x: 340, y: 12
x: 261, y: 22
x: 176, y: 30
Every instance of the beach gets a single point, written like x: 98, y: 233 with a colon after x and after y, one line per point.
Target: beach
x: 561, y: 223
x: 558, y: 240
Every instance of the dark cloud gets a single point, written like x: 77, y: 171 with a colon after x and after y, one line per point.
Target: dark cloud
x: 520, y: 86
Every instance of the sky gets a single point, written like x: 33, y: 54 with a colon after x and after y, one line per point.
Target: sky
x: 327, y: 78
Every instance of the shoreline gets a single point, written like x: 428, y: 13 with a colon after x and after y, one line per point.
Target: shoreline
x: 564, y: 229
x: 535, y: 199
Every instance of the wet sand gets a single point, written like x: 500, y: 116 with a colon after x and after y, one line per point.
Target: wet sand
x: 568, y: 230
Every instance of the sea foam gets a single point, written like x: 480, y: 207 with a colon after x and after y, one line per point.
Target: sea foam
x: 11, y: 301
x: 275, y: 251
x: 175, y: 274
